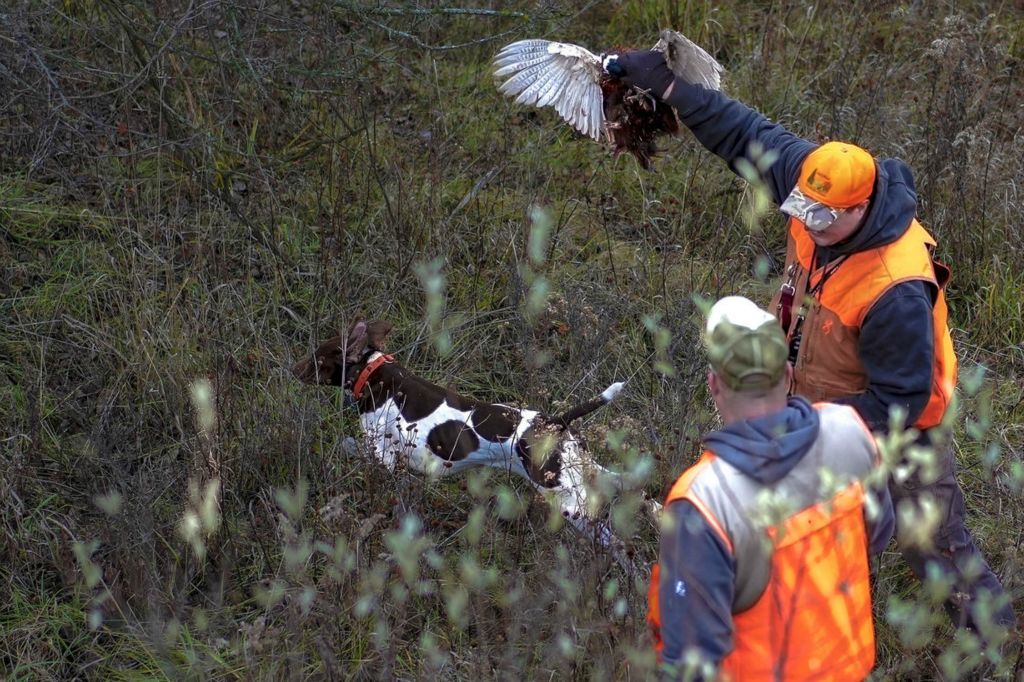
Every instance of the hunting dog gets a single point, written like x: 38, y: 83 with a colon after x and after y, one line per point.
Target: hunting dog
x: 438, y: 432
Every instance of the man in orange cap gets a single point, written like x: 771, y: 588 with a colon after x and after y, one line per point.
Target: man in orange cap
x: 862, y: 303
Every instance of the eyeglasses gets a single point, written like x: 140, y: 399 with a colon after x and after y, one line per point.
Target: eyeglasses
x: 814, y: 214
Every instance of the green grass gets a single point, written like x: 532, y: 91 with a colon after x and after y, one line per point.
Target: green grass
x: 207, y: 195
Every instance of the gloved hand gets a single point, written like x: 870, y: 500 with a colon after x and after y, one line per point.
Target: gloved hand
x: 643, y: 68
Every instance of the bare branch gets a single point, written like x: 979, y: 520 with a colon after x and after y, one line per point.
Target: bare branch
x: 463, y: 11
x: 419, y: 43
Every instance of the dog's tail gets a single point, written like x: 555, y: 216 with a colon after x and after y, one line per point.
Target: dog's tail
x: 583, y: 409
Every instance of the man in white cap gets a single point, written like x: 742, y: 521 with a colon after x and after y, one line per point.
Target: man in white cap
x: 763, y: 570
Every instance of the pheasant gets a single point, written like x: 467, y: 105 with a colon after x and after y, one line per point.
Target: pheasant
x: 577, y: 84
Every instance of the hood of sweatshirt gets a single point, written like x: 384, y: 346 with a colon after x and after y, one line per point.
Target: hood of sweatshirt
x: 768, y: 447
x: 892, y: 208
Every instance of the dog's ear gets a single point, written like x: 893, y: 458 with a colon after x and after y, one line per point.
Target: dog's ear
x: 358, y: 338
x: 378, y: 331
x: 357, y: 324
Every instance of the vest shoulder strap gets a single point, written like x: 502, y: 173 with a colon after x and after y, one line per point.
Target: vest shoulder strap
x: 681, y: 491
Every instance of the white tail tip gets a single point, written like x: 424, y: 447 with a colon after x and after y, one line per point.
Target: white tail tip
x: 609, y: 393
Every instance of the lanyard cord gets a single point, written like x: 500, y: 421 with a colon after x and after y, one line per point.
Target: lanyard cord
x: 815, y: 292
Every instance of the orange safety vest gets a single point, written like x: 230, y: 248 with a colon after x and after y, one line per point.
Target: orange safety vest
x: 827, y: 365
x: 813, y: 620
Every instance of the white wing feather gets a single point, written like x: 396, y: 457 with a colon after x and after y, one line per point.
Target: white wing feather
x: 546, y: 85
x: 566, y: 77
x: 689, y: 61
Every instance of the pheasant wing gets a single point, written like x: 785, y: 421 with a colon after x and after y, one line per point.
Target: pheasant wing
x: 689, y: 61
x: 566, y: 77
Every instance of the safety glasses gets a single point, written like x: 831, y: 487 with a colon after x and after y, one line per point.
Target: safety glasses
x: 814, y: 214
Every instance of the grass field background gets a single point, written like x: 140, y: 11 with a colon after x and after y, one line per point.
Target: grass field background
x: 193, y: 194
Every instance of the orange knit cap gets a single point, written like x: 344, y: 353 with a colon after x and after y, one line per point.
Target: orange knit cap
x: 837, y: 174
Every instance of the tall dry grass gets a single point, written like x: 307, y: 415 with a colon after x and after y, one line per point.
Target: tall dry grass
x: 192, y: 194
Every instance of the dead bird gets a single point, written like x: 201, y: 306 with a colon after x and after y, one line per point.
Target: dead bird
x: 576, y: 83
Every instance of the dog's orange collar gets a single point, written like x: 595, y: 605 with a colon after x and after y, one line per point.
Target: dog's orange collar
x: 364, y: 376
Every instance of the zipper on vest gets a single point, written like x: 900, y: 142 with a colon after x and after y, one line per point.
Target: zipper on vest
x: 814, y: 294
x: 815, y: 310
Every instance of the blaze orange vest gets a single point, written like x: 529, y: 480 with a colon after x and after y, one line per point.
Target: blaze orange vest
x: 813, y: 620
x: 827, y: 365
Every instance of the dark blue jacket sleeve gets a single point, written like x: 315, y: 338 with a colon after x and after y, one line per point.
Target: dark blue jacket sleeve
x: 727, y: 128
x: 897, y: 349
x: 696, y: 589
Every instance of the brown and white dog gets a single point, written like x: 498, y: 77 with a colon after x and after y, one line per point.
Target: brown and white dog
x: 438, y: 432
